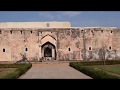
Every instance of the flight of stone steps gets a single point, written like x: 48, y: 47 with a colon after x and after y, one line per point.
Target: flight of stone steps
x: 52, y: 61
x: 38, y: 62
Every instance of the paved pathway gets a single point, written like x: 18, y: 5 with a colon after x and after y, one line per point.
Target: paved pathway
x: 53, y: 71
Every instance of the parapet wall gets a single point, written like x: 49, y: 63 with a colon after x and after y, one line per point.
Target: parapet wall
x: 34, y: 24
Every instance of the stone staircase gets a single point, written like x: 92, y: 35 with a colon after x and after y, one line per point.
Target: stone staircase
x: 51, y: 62
x: 37, y: 62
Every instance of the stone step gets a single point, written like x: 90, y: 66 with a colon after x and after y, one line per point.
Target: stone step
x: 52, y: 61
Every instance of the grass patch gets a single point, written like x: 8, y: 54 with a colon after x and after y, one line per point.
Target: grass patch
x: 97, y: 70
x: 110, y: 68
x: 16, y: 70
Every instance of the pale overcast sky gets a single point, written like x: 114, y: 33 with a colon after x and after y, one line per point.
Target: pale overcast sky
x: 77, y: 18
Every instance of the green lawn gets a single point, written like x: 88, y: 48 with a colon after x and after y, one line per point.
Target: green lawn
x: 114, y: 69
x: 4, y: 71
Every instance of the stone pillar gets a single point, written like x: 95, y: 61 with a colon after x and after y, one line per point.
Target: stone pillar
x: 40, y: 53
x: 53, y: 53
x: 43, y: 52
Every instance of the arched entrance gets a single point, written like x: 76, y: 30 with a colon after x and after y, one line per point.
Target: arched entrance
x: 48, y: 51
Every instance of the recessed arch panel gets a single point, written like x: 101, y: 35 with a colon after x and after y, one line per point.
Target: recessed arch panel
x: 48, y: 38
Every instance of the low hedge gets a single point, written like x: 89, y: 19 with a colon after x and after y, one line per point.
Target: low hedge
x: 95, y: 73
x: 107, y: 62
x: 13, y: 65
x: 21, y: 69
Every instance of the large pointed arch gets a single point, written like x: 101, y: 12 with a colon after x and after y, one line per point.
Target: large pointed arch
x: 48, y: 35
x: 48, y: 38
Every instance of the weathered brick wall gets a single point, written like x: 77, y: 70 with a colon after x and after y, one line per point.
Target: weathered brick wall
x: 104, y: 44
x: 98, y: 44
x: 70, y: 44
x: 13, y: 45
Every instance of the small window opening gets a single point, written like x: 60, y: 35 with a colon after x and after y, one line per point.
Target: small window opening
x: 38, y: 33
x: 21, y: 32
x: 48, y: 25
x: 26, y: 49
x: 101, y: 31
x: 41, y: 32
x: 3, y: 50
x: 68, y: 49
x: 89, y: 48
x: 11, y: 32
x: 111, y: 31
x: 31, y: 32
x: 81, y: 30
x: 0, y: 32
x: 109, y: 48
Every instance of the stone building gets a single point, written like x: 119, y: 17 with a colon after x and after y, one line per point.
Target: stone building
x: 57, y: 41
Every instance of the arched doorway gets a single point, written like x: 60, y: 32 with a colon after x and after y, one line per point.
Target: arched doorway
x: 48, y: 51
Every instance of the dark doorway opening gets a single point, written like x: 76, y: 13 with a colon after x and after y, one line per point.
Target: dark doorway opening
x: 48, y: 52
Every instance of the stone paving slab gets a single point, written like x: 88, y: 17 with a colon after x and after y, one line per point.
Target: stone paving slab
x: 53, y: 71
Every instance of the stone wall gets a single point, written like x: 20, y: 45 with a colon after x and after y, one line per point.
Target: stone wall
x: 70, y: 43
